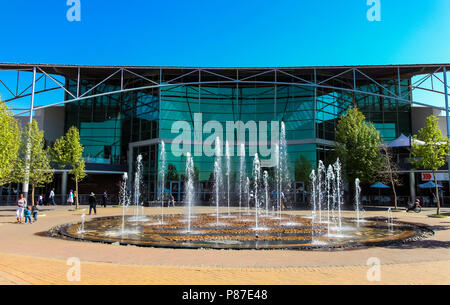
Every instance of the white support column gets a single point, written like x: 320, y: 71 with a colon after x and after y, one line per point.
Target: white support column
x: 27, y: 156
x: 63, y: 186
x: 412, y: 186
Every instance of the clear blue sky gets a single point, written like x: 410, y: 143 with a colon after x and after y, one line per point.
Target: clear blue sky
x: 225, y: 33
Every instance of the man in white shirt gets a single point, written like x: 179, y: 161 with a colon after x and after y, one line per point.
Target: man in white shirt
x: 51, y: 197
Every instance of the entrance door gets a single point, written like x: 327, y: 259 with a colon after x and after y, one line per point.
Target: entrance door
x: 175, y: 190
x: 299, y: 193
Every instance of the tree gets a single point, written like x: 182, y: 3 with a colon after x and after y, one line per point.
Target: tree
x: 39, y: 170
x: 9, y: 144
x: 389, y: 172
x: 432, y: 152
x: 172, y: 174
x: 303, y: 169
x: 357, y: 147
x: 196, y: 173
x: 68, y: 151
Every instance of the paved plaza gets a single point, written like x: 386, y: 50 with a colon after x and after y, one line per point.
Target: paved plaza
x: 29, y: 257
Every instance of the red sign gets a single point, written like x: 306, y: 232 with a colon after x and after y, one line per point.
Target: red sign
x: 427, y: 176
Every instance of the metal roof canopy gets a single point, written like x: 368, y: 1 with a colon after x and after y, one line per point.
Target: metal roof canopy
x: 327, y: 79
x: 98, y: 71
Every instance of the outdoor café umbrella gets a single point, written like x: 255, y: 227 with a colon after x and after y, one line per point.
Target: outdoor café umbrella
x: 429, y: 185
x: 379, y: 186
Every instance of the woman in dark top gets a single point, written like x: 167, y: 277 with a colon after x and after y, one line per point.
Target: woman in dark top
x: 92, y: 203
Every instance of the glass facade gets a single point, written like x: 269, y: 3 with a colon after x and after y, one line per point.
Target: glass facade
x: 110, y: 125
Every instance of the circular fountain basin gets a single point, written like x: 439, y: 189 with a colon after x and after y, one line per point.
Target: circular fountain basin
x: 294, y: 232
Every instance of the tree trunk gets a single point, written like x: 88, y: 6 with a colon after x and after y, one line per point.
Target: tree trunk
x: 76, y: 190
x: 391, y: 177
x: 395, y: 193
x: 437, y: 193
x: 32, y: 195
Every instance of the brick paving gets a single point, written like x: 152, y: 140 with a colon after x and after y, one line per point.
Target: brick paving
x: 28, y: 258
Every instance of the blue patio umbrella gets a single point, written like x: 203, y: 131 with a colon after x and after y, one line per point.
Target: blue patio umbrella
x: 166, y: 191
x: 379, y: 186
x: 429, y: 185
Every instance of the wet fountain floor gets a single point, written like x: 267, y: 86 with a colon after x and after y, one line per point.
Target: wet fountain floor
x: 240, y: 232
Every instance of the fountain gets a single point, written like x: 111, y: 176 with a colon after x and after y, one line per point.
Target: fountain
x: 230, y: 232
x: 357, y: 199
x: 217, y: 177
x: 81, y: 229
x: 228, y: 173
x: 247, y: 191
x: 338, y: 194
x: 137, y: 188
x: 313, y: 179
x: 330, y: 179
x: 242, y: 176
x: 256, y: 177
x: 189, y: 188
x: 390, y: 220
x: 124, y: 198
x: 278, y: 178
x: 321, y: 188
x: 162, y: 176
x: 284, y: 177
x: 266, y: 191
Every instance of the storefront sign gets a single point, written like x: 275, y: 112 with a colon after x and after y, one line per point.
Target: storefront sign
x: 439, y: 176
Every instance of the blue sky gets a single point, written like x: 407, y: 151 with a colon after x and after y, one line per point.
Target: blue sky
x: 225, y: 33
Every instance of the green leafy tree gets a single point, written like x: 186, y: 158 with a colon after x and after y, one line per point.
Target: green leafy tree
x: 172, y: 173
x: 357, y: 147
x: 303, y: 169
x: 196, y: 173
x: 39, y: 170
x: 68, y: 151
x: 431, y: 154
x: 9, y: 144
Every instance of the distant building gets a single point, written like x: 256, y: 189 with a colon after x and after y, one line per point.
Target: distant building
x: 125, y: 111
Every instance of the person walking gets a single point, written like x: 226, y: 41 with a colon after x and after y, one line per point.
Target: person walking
x: 40, y: 200
x: 283, y: 200
x: 51, y: 197
x: 27, y: 213
x: 34, y: 212
x: 171, y: 201
x: 70, y: 198
x: 104, y: 198
x: 21, y: 202
x: 92, y: 204
x: 75, y: 195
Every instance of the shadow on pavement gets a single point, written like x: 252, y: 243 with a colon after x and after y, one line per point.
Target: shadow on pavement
x: 424, y: 244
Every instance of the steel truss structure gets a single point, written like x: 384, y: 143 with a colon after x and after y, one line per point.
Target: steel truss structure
x: 327, y: 79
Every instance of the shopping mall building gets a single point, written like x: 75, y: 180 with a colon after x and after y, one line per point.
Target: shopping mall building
x: 124, y: 111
